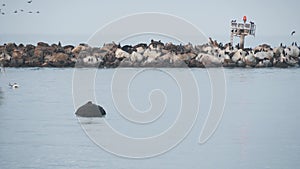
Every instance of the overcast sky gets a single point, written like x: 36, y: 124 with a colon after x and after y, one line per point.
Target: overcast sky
x: 82, y: 18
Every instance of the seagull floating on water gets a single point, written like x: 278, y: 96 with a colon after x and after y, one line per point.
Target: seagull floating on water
x: 14, y: 86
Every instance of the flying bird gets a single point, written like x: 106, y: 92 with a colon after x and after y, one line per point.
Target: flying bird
x: 13, y: 86
x: 293, y: 33
x: 29, y: 1
x: 3, y: 13
x: 16, y: 11
x: 30, y: 12
x: 3, y: 4
x: 37, y: 11
x: 21, y: 10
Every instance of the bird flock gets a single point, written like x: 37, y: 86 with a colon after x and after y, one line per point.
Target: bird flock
x: 4, y: 10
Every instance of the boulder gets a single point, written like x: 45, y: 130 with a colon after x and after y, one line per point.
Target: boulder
x: 281, y: 65
x: 136, y: 57
x: 90, y: 110
x: 292, y: 51
x: 250, y: 60
x: 264, y: 55
x: 153, y: 54
x: 59, y: 60
x: 239, y: 55
x: 121, y: 54
x: 210, y: 60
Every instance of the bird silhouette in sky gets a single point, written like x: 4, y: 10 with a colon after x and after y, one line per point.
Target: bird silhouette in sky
x: 293, y: 33
x: 29, y: 1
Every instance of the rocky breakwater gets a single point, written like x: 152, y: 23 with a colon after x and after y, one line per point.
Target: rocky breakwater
x: 155, y: 54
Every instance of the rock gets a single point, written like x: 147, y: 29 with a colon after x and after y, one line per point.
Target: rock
x: 16, y: 60
x: 91, y: 61
x: 250, y: 60
x: 153, y: 54
x: 240, y: 63
x: 156, y: 54
x: 239, y: 55
x: 280, y: 64
x: 59, y: 60
x: 292, y: 51
x: 29, y: 50
x: 10, y: 47
x: 267, y: 63
x: 210, y: 60
x: 110, y: 47
x: 90, y: 110
x: 121, y: 54
x: 136, y: 57
x: 264, y: 55
x: 126, y: 63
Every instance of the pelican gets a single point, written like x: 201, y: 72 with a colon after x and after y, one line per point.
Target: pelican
x: 14, y: 86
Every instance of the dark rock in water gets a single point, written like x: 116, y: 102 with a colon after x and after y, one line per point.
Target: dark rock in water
x: 90, y: 110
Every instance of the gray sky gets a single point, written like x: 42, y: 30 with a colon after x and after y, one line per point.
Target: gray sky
x: 77, y: 20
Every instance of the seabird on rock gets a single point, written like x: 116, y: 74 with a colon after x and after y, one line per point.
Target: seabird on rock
x: 293, y: 33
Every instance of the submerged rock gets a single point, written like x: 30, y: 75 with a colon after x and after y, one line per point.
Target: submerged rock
x: 90, y: 110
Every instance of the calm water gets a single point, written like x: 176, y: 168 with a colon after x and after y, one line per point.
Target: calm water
x: 259, y: 128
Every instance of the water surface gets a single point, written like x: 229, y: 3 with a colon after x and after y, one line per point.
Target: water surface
x: 259, y: 128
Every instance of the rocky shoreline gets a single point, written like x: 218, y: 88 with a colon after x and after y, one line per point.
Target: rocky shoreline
x: 155, y: 54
